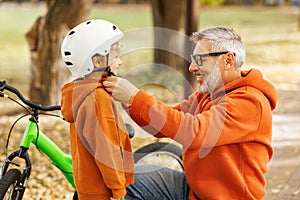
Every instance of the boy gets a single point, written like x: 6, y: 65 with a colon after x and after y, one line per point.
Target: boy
x: 100, y: 146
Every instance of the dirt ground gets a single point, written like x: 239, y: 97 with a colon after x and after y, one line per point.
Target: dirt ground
x: 283, y: 177
x: 288, y: 102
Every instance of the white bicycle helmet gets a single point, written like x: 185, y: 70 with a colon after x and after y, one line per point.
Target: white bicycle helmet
x: 85, y: 40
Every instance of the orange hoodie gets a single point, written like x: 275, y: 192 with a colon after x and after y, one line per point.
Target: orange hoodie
x: 100, y: 146
x: 226, y: 139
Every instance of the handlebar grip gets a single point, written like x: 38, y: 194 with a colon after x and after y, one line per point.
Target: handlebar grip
x: 31, y: 104
x: 2, y: 85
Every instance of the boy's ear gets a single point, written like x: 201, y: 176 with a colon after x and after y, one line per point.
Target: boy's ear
x: 99, y: 61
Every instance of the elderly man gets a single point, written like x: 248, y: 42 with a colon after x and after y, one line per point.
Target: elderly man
x: 225, y: 127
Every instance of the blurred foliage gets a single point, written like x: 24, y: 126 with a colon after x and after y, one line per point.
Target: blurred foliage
x: 270, y: 35
x: 212, y: 2
x: 202, y: 2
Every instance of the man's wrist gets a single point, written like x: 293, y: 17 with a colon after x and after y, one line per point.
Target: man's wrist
x: 132, y: 96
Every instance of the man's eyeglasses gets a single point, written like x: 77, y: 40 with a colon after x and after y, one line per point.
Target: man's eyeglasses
x: 198, y: 58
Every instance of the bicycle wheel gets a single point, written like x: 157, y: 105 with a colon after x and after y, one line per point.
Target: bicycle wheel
x: 160, y: 153
x: 8, y: 184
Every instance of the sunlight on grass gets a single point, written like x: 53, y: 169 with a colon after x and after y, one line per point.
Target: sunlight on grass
x: 14, y: 51
x: 126, y: 17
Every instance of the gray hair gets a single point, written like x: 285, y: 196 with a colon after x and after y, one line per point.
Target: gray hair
x: 223, y: 39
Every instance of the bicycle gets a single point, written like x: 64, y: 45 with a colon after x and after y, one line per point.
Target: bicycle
x: 13, y: 182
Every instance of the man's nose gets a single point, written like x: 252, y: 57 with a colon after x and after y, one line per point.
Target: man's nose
x: 194, y: 67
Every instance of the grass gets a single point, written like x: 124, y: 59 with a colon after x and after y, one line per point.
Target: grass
x: 269, y: 33
x: 126, y: 17
x: 14, y: 51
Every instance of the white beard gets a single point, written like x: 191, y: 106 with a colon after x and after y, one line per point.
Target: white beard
x: 211, y: 81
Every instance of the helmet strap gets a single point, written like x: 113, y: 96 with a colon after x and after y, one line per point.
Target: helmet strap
x: 107, y: 57
x: 107, y: 69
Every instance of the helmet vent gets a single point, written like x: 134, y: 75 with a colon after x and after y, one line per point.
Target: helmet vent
x: 71, y: 33
x: 67, y: 53
x: 88, y: 22
x: 68, y: 63
x: 114, y: 27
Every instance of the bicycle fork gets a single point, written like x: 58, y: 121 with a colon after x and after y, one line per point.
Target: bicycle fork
x: 45, y: 145
x: 22, y: 182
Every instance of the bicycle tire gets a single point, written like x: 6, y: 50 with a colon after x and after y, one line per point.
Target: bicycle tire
x: 163, y: 153
x: 8, y: 184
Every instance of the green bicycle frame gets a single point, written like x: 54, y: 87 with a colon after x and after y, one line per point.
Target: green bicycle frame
x: 46, y: 145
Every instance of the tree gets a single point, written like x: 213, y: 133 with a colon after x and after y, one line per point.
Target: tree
x: 180, y: 16
x: 299, y: 19
x: 44, y: 38
x: 191, y: 25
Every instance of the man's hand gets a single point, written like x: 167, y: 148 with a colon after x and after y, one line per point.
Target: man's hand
x: 121, y: 89
x: 111, y: 198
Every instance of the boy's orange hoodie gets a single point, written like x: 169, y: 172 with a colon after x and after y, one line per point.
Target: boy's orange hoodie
x: 226, y: 139
x: 100, y: 146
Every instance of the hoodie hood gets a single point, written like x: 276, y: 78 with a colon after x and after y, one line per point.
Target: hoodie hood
x: 254, y: 78
x: 73, y: 94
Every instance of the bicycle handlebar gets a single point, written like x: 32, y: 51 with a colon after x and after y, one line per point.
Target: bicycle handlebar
x: 31, y: 104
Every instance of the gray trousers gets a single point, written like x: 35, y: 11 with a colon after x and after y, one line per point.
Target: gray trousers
x: 152, y: 182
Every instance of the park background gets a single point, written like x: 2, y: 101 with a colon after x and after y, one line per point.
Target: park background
x: 269, y: 31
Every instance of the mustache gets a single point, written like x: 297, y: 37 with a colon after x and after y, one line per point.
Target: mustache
x: 200, y: 73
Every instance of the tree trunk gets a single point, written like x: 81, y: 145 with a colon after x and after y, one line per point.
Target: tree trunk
x: 299, y: 17
x: 170, y: 39
x: 191, y: 26
x: 44, y: 38
x: 167, y: 14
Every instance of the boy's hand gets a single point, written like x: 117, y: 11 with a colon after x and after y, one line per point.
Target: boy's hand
x: 121, y: 89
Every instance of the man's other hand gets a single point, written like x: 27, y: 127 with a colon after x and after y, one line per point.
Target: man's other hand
x: 121, y: 89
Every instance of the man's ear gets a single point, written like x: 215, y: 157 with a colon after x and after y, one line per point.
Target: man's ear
x: 229, y: 59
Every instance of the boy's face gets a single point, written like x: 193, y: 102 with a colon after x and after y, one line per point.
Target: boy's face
x: 114, y: 60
